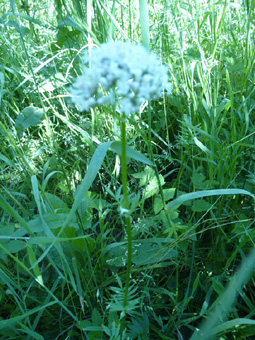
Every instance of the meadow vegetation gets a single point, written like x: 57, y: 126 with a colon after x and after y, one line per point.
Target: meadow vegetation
x: 167, y: 253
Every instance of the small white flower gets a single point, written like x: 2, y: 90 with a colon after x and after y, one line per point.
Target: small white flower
x: 134, y: 74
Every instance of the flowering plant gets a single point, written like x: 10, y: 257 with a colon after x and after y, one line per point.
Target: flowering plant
x: 134, y: 74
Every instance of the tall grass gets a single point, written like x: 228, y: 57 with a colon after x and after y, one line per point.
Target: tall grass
x: 189, y: 171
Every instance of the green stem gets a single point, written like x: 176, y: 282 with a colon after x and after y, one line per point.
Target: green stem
x: 127, y: 218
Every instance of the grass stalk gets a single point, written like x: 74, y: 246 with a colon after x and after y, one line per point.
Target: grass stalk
x: 125, y: 208
x: 144, y: 21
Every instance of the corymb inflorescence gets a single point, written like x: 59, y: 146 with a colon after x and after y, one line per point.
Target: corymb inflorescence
x: 125, y: 69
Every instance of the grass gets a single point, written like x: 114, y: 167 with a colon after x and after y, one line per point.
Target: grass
x: 65, y: 250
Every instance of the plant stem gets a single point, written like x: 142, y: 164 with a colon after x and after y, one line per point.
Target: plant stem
x: 127, y: 218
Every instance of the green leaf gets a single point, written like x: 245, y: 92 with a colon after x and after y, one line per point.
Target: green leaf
x: 10, y: 210
x: 168, y: 193
x: 34, y: 21
x: 56, y: 203
x: 158, y: 204
x: 93, y: 168
x: 17, y: 319
x: 201, y: 205
x: 205, y: 193
x: 144, y: 252
x: 232, y: 324
x: 1, y: 85
x: 153, y: 187
x: 32, y: 260
x: 96, y: 318
x: 32, y: 334
x: 92, y: 328
x: 198, y: 180
x: 131, y: 153
x: 195, y: 284
x: 149, y: 180
x: 149, y: 253
x: 28, y: 117
x: 14, y: 246
x: 202, y: 146
x: 6, y: 160
x: 217, y: 286
x: 48, y: 240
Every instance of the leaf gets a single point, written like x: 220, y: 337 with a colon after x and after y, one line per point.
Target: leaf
x: 217, y: 286
x: 53, y: 220
x: 10, y: 210
x: 32, y: 334
x: 149, y: 180
x: 47, y: 240
x: 168, y: 193
x: 202, y: 146
x: 34, y: 21
x: 45, y: 181
x: 153, y: 187
x: 158, y: 204
x: 173, y: 214
x: 232, y: 324
x: 17, y: 319
x: 7, y: 239
x: 93, y: 168
x: 195, y: 284
x: 1, y: 85
x: 131, y: 153
x: 32, y: 260
x: 6, y: 160
x: 149, y: 253
x: 30, y: 116
x: 56, y: 203
x: 85, y: 213
x: 14, y: 246
x: 92, y: 328
x: 144, y: 252
x: 144, y: 176
x: 96, y: 318
x: 201, y: 205
x: 198, y: 180
x: 205, y: 193
x: 139, y: 327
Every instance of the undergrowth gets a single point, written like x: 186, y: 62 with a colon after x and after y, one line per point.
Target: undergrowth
x: 64, y: 245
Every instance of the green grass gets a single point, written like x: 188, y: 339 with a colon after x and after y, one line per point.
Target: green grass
x: 66, y: 250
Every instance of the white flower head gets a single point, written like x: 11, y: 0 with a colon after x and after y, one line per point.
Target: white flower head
x: 134, y: 74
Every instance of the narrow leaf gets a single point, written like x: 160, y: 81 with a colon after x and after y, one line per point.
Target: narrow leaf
x: 13, y: 321
x: 205, y: 193
x: 131, y: 153
x: 11, y: 211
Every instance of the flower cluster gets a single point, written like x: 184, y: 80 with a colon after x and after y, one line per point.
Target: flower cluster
x: 134, y: 74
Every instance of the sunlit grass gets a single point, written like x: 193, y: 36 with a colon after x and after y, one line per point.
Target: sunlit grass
x: 63, y: 247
